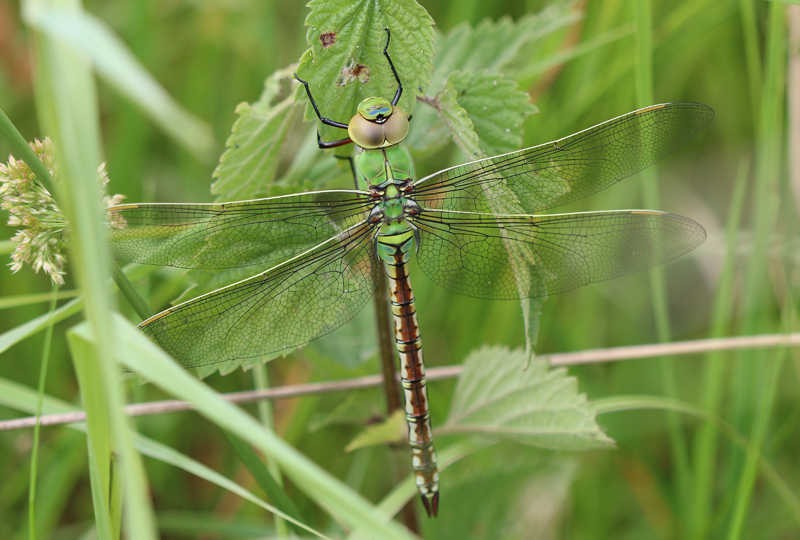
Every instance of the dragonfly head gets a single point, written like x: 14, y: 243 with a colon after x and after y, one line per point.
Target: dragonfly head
x: 378, y: 124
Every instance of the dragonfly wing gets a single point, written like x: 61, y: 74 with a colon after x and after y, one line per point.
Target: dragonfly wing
x: 556, y: 173
x: 505, y: 257
x: 230, y: 235
x: 286, y: 306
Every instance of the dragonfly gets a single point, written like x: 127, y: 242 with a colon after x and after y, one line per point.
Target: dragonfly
x: 475, y: 229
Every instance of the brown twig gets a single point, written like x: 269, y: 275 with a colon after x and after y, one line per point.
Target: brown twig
x: 592, y: 356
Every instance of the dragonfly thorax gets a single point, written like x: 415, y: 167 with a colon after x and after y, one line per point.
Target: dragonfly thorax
x: 377, y: 168
x: 393, y: 202
x: 378, y: 124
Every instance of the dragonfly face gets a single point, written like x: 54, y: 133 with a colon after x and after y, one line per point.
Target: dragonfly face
x: 378, y: 124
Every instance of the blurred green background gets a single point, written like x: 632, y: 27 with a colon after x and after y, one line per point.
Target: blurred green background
x: 213, y: 55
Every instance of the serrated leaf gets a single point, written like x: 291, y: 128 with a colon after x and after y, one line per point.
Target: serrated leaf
x: 495, y: 105
x: 345, y: 63
x: 254, y: 148
x: 391, y: 431
x: 229, y: 366
x: 497, y: 108
x: 538, y: 406
x: 505, y: 46
x: 486, y: 96
x: 461, y: 128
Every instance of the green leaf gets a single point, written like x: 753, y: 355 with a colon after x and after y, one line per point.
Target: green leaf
x: 504, y: 47
x: 255, y: 147
x: 496, y: 397
x: 496, y: 107
x: 345, y: 62
x: 461, y: 128
x: 479, y: 111
x: 391, y: 431
x: 497, y: 110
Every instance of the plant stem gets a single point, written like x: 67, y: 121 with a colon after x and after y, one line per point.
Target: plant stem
x: 48, y: 336
x: 130, y: 293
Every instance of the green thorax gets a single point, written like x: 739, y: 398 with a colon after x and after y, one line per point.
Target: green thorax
x: 379, y: 167
x: 388, y: 174
x: 396, y: 234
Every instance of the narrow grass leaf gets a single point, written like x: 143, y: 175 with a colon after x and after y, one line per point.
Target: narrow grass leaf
x: 632, y: 403
x: 117, y: 65
x: 73, y: 307
x: 29, y: 299
x: 706, y: 443
x: 68, y: 110
x: 141, y: 355
x: 21, y: 398
x: 99, y: 437
x: 36, y: 430
x: 263, y: 478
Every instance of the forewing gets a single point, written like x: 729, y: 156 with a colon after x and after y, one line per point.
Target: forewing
x: 556, y: 173
x: 505, y: 257
x: 230, y: 235
x: 286, y: 306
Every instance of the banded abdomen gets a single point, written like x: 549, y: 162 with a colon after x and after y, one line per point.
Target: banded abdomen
x: 395, y: 249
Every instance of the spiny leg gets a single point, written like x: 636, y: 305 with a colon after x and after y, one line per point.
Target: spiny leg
x: 391, y: 65
x: 352, y: 168
x: 326, y: 121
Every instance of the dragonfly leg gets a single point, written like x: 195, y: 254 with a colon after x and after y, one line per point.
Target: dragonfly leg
x: 326, y: 121
x: 332, y: 144
x: 352, y: 168
x: 391, y: 65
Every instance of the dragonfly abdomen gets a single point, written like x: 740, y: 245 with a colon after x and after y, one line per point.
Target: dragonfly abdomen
x: 394, y: 250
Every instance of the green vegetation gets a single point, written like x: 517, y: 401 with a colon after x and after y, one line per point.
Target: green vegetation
x: 706, y: 444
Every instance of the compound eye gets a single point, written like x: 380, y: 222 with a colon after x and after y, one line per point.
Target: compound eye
x: 364, y: 133
x: 395, y: 128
